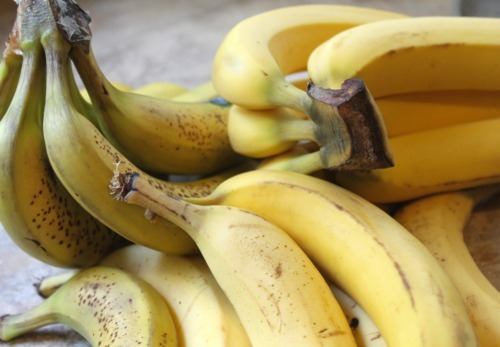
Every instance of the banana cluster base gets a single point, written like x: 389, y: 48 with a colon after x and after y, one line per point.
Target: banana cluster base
x: 147, y: 26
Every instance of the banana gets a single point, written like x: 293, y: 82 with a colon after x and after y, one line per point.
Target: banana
x: 10, y: 69
x: 418, y: 54
x: 438, y: 222
x: 433, y: 161
x: 120, y: 86
x: 161, y: 90
x: 201, y: 93
x: 107, y: 306
x: 360, y: 248
x: 277, y: 292
x: 83, y: 160
x: 252, y: 62
x: 38, y: 213
x: 201, y: 311
x: 264, y: 133
x: 420, y: 111
x: 158, y: 135
x: 364, y: 329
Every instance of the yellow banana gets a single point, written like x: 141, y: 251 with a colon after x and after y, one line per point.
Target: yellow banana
x: 361, y: 249
x: 264, y: 133
x: 252, y: 62
x: 83, y: 160
x: 107, y: 306
x: 161, y: 90
x: 10, y: 69
x: 437, y: 160
x: 37, y: 212
x: 201, y: 93
x: 277, y: 292
x: 412, y: 55
x: 118, y: 85
x: 201, y: 311
x: 159, y: 135
x: 438, y: 222
x: 414, y: 112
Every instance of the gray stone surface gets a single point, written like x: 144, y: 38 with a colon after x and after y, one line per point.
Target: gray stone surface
x: 137, y: 42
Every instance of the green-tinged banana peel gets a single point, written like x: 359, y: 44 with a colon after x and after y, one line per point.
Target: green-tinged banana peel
x: 37, y: 212
x: 108, y: 307
x: 10, y: 69
x: 86, y: 175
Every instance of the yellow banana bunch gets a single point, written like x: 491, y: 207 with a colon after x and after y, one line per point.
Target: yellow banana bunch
x: 108, y: 307
x: 253, y: 62
x: 438, y: 222
x: 279, y: 295
x: 360, y: 248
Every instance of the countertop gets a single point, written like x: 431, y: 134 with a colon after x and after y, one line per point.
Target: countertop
x: 137, y: 42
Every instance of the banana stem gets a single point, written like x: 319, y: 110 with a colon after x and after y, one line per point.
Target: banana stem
x: 297, y: 130
x: 134, y: 189
x: 304, y: 163
x: 12, y: 326
x: 47, y: 286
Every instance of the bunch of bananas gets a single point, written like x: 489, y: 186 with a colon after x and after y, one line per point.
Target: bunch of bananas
x: 313, y: 193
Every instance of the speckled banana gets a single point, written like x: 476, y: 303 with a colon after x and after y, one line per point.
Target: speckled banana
x: 252, y: 62
x: 10, y: 69
x: 158, y: 135
x: 277, y: 292
x: 361, y: 249
x: 438, y: 222
x: 412, y: 54
x: 86, y: 175
x: 437, y: 160
x: 36, y: 211
x: 202, y: 313
x: 108, y: 307
x: 363, y: 328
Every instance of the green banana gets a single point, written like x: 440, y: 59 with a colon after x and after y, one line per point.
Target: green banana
x: 108, y: 307
x: 38, y: 213
x: 10, y: 69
